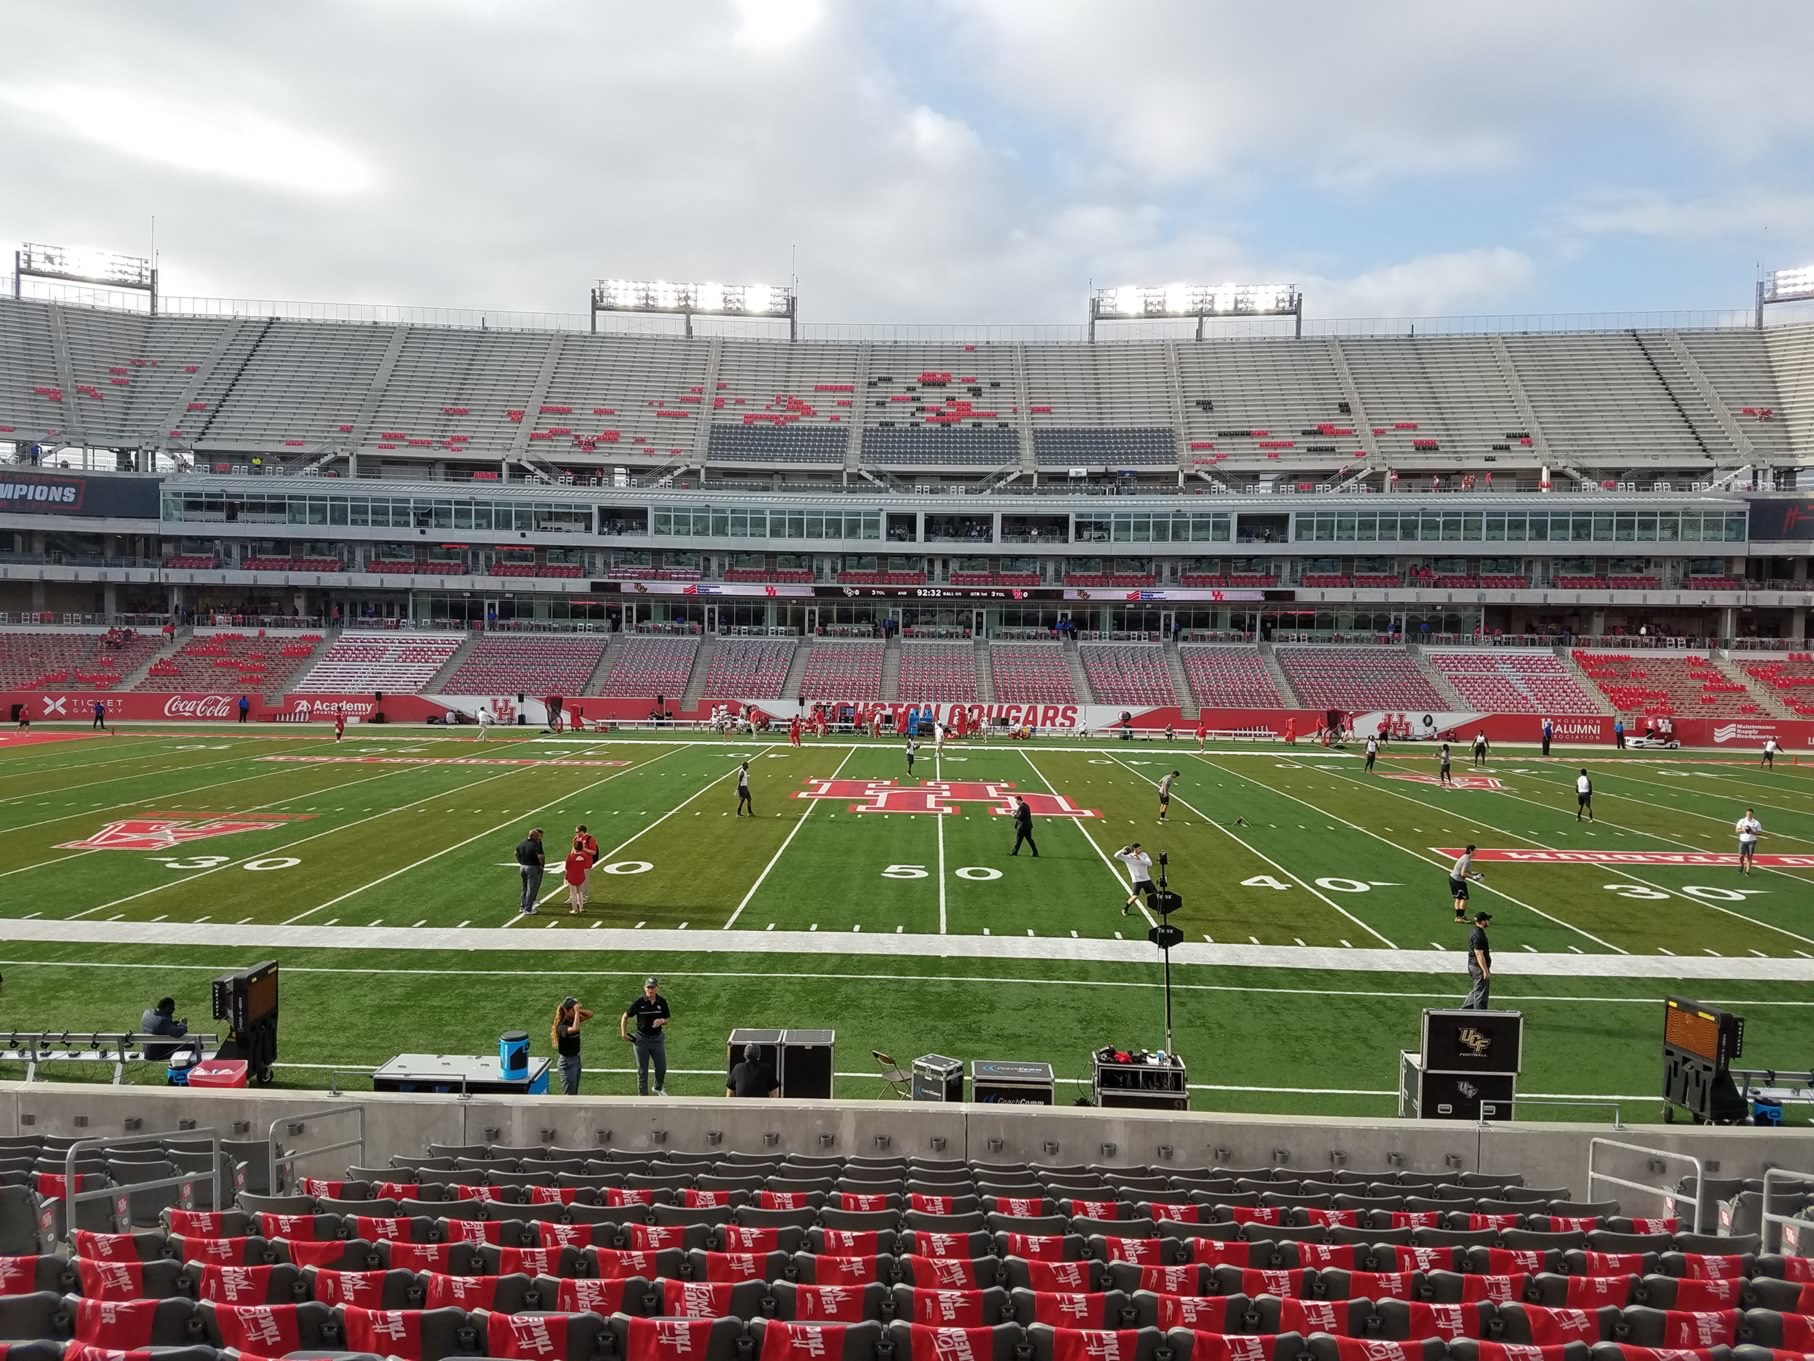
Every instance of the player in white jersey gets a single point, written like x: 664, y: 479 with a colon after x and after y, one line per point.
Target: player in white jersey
x: 1459, y: 874
x: 485, y: 722
x: 1769, y: 760
x: 1584, y: 796
x: 1749, y: 829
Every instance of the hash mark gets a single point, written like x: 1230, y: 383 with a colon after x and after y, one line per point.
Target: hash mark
x: 1348, y: 944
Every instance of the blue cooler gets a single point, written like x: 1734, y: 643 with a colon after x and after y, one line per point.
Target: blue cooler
x: 513, y: 1055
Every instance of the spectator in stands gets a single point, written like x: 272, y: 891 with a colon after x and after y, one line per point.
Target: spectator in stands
x: 245, y: 708
x: 569, y: 1016
x: 161, y: 1020
x: 531, y: 861
x: 751, y: 1077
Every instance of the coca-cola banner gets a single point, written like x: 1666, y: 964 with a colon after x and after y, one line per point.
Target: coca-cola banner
x: 65, y: 706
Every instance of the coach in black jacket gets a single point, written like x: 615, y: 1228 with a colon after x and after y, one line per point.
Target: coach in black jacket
x: 1023, y: 828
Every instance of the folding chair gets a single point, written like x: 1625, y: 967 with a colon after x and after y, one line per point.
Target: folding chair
x: 893, y: 1079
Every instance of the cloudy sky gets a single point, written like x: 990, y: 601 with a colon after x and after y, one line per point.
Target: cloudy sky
x: 948, y: 160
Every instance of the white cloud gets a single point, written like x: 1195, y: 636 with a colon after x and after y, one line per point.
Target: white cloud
x: 1445, y: 284
x: 1648, y: 212
x: 211, y: 135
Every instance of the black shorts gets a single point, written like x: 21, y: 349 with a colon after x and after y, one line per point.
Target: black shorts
x: 1146, y: 886
x: 1458, y: 888
x: 1164, y: 799
x: 1443, y: 769
x: 1584, y: 799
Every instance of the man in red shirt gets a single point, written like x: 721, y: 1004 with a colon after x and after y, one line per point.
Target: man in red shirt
x: 793, y: 731
x: 587, y: 843
x: 339, y: 724
x: 1202, y: 734
x: 579, y: 865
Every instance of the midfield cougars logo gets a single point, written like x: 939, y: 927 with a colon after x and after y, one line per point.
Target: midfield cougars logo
x: 170, y: 831
x: 930, y: 796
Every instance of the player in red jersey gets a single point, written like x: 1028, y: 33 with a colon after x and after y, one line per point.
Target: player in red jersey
x: 339, y: 724
x: 1202, y: 735
x: 793, y: 731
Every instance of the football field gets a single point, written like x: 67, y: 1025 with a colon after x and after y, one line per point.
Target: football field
x: 885, y: 904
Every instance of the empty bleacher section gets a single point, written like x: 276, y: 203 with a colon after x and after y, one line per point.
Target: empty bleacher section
x: 940, y: 405
x: 1032, y: 673
x: 267, y: 386
x: 1442, y: 397
x: 292, y: 392
x: 748, y: 668
x: 646, y: 665
x: 397, y: 663
x: 938, y: 673
x: 1790, y: 679
x: 1358, y: 678
x: 839, y: 671
x: 622, y: 395
x: 1610, y: 400
x: 1263, y: 401
x: 50, y: 660
x: 1662, y: 684
x: 243, y: 663
x: 459, y: 390
x: 1127, y: 673
x: 783, y: 403
x: 1108, y: 406
x: 1229, y: 678
x: 531, y: 664
x: 1511, y: 681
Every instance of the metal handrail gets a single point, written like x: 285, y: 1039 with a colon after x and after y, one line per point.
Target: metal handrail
x: 1663, y: 1154
x: 1777, y: 1222
x: 1563, y: 1103
x: 295, y: 1122
x: 184, y: 1181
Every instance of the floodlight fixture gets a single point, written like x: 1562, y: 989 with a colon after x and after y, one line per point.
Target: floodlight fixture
x: 1131, y: 302
x: 1787, y: 285
x: 83, y: 264
x: 688, y: 300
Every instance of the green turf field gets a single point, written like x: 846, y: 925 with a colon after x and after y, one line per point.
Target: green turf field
x: 1316, y: 915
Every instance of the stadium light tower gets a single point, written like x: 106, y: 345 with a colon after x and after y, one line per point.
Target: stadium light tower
x: 80, y: 265
x: 691, y: 300
x: 1784, y: 285
x: 1133, y: 302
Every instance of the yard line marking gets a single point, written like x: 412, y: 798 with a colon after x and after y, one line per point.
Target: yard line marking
x: 1668, y: 841
x: 423, y: 922
x: 939, y: 822
x: 1662, y: 951
x: 1122, y: 885
x: 1437, y: 860
x: 1760, y: 954
x: 1532, y: 949
x: 160, y: 917
x: 1248, y: 846
x: 461, y: 927
x: 561, y: 885
x: 775, y: 859
x: 1347, y: 945
x: 489, y: 831
x: 190, y: 878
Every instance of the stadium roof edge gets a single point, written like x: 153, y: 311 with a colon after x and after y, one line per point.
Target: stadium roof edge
x: 1355, y: 328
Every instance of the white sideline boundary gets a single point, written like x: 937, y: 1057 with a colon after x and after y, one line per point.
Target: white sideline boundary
x: 615, y: 939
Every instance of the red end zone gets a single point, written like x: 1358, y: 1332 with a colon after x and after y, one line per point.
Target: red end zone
x: 1538, y: 856
x: 28, y: 739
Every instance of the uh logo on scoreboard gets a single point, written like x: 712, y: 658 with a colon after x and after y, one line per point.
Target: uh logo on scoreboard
x: 940, y: 796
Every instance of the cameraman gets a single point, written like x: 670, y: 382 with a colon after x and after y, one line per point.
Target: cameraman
x: 161, y: 1020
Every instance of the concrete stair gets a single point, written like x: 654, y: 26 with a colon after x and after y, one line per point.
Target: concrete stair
x: 1174, y: 665
x: 1079, y: 681
x: 985, y: 673
x: 1595, y: 695
x: 702, y: 662
x: 131, y: 679
x: 891, y: 669
x: 437, y: 683
x: 1438, y: 682
x: 1280, y: 681
x: 595, y: 683
x: 796, y: 671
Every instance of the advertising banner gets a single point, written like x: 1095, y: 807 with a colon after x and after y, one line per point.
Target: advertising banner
x: 122, y: 498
